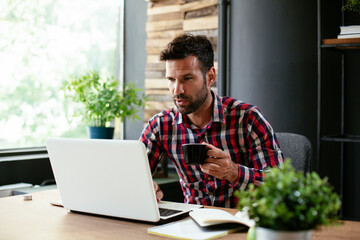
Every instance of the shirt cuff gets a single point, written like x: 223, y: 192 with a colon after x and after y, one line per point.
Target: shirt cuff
x: 245, y: 176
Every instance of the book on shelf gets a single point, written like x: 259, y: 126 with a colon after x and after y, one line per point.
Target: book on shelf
x: 204, y: 224
x: 352, y: 31
x: 344, y: 36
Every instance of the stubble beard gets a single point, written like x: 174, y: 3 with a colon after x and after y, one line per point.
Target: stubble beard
x: 194, y: 102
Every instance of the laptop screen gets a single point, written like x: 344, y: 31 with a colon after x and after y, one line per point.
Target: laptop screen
x: 107, y: 177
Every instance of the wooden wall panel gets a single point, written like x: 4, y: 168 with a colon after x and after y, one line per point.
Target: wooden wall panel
x: 208, y: 22
x: 166, y: 20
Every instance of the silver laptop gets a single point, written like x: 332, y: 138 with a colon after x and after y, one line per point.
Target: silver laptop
x: 108, y: 177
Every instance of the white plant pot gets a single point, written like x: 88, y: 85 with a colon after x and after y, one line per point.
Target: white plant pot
x: 269, y: 234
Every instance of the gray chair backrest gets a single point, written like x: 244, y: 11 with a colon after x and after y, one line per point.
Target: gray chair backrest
x: 298, y: 148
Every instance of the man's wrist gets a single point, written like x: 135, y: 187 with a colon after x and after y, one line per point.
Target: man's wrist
x: 235, y: 174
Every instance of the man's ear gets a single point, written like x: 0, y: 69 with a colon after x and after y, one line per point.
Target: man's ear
x: 211, y: 75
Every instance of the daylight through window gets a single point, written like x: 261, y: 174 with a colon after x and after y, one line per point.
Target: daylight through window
x: 42, y: 43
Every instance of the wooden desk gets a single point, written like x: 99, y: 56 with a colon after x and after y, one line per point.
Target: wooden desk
x: 37, y: 219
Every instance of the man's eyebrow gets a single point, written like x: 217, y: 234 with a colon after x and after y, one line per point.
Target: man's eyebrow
x: 187, y: 75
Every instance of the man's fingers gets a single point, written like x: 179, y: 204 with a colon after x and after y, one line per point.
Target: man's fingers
x: 210, y: 167
x: 216, y: 153
x: 159, y: 194
x: 219, y: 164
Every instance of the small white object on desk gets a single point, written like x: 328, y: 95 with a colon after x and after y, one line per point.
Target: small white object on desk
x: 27, y: 197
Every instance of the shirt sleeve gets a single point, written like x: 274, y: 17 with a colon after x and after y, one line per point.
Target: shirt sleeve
x: 262, y: 147
x: 150, y: 136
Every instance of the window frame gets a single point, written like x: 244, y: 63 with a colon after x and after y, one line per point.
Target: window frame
x: 20, y: 154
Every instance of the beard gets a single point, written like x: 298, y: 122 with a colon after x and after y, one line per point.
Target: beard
x: 195, y: 102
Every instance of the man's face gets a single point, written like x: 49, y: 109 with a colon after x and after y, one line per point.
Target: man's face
x: 187, y: 85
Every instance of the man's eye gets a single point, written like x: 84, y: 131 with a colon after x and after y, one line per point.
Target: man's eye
x: 171, y: 79
x: 187, y: 78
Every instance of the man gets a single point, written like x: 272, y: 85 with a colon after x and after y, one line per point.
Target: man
x: 241, y: 141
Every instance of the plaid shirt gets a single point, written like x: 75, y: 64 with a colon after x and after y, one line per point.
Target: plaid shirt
x: 235, y: 127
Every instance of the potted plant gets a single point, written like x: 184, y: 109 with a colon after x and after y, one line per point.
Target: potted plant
x: 101, y: 101
x: 352, y: 5
x: 289, y: 204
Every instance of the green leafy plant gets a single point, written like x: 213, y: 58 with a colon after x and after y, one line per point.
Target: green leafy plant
x: 101, y: 99
x: 290, y: 200
x: 352, y: 5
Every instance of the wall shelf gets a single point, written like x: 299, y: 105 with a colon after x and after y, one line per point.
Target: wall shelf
x: 341, y: 44
x: 335, y: 132
x: 341, y: 138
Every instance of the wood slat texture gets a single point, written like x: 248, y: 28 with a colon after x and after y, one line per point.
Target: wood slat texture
x: 163, y: 9
x: 152, y: 58
x: 155, y: 74
x: 154, y: 50
x: 170, y: 34
x: 164, y: 25
x: 165, y: 16
x: 150, y: 113
x: 159, y: 92
x: 159, y: 105
x: 166, y: 20
x: 201, y: 23
x: 157, y: 42
x: 210, y: 33
x: 155, y: 66
x: 159, y: 83
x: 159, y: 3
x: 198, y: 5
x: 209, y: 11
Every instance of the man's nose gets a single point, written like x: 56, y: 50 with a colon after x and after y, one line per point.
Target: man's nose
x: 178, y: 88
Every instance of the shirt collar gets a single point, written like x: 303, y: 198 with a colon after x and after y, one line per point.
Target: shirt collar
x: 217, y: 116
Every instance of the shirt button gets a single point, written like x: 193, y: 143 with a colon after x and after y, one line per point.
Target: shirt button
x: 209, y: 178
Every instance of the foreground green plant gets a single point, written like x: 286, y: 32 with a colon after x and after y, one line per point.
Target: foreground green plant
x: 101, y: 99
x: 289, y: 200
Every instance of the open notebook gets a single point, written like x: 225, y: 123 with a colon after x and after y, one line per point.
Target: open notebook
x: 108, y: 177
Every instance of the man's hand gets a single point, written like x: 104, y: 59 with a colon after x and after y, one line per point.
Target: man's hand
x: 220, y: 165
x: 159, y: 194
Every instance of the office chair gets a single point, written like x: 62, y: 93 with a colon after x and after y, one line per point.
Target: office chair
x: 298, y: 148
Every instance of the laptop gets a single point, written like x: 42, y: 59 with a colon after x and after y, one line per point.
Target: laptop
x: 110, y: 178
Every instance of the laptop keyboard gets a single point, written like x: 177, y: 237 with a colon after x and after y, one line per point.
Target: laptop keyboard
x: 167, y: 212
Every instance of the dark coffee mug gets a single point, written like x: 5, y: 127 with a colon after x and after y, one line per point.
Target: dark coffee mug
x: 194, y: 153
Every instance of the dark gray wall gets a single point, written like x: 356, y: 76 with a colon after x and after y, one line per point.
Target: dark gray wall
x: 273, y: 61
x: 135, y: 55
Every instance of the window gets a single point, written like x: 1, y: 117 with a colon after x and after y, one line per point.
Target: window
x: 42, y: 43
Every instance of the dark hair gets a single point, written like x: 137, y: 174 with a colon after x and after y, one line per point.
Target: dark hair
x: 189, y: 45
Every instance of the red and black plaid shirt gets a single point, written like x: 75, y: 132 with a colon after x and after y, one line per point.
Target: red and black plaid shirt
x: 235, y: 127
